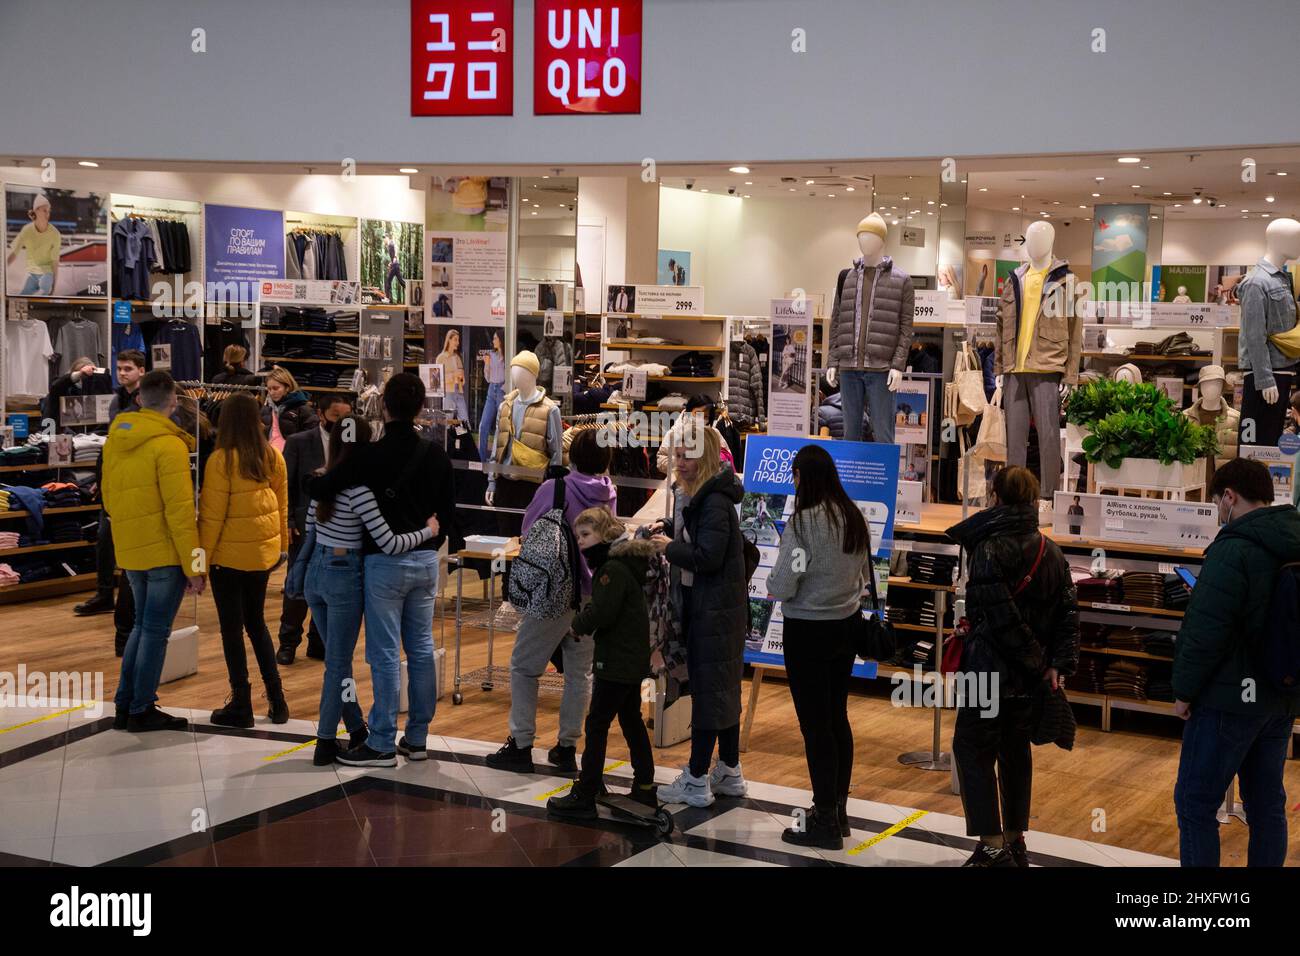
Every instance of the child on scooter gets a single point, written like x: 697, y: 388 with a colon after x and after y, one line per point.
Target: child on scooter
x: 619, y: 621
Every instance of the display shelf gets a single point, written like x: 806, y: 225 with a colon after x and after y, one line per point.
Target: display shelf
x: 306, y: 361
x: 1130, y: 609
x: 921, y: 628
x: 627, y: 346
x: 1120, y: 652
x: 920, y: 585
x: 1158, y: 359
x: 15, y: 469
x: 414, y: 336
x: 50, y: 511
x: 665, y: 318
x: 63, y: 299
x: 33, y: 590
x: 712, y: 379
x: 272, y: 330
x: 322, y: 388
x: 33, y: 549
x: 614, y: 406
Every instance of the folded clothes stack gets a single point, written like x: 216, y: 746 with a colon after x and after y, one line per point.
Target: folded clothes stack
x: 1126, y: 679
x: 345, y: 377
x: 1125, y: 638
x: 909, y: 606
x: 346, y: 322
x: 414, y: 353
x: 1089, y: 677
x: 316, y: 320
x: 1144, y: 588
x: 31, y: 454
x: 87, y: 447
x: 5, y: 502
x: 8, y: 576
x: 321, y: 348
x: 931, y: 568
x: 346, y: 351
x: 1159, y: 643
x: 1092, y: 634
x: 9, y: 539
x: 1177, y: 594
x: 693, y: 364
x: 1160, y: 682
x: 1105, y: 587
x: 63, y: 529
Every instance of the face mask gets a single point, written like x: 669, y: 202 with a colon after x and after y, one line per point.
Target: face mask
x: 327, y: 425
x: 1224, y: 519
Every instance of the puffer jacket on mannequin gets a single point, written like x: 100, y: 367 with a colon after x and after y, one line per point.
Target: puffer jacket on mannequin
x: 744, y: 384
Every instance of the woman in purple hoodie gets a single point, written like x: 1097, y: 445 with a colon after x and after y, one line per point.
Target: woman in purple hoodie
x: 586, y: 486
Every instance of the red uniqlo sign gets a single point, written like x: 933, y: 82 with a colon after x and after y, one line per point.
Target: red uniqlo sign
x: 586, y: 56
x: 462, y: 58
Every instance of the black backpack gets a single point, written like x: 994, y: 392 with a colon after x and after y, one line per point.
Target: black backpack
x: 1279, y: 647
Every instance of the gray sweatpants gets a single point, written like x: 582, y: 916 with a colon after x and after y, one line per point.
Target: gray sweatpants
x: 1021, y: 392
x: 535, y: 642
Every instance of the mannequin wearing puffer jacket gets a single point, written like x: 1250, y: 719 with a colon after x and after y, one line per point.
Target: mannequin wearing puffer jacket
x: 744, y: 385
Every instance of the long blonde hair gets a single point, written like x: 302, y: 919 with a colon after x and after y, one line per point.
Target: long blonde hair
x: 282, y: 375
x: 696, y: 434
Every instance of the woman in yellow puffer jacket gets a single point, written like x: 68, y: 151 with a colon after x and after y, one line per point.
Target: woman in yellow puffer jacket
x: 244, y: 533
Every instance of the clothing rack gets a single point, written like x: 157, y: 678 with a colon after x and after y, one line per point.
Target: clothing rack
x: 212, y: 389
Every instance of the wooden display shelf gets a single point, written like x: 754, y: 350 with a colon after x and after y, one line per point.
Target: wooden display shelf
x: 322, y: 388
x: 1130, y: 609
x: 60, y: 546
x: 414, y: 336
x: 614, y: 406
x: 272, y: 330
x: 50, y: 511
x: 664, y: 318
x: 64, y: 299
x: 1120, y: 652
x: 1159, y: 359
x: 307, y: 361
x: 625, y: 346
x: 920, y: 585
x: 34, y: 590
x: 391, y: 306
x: 14, y: 469
x: 712, y: 379
x: 921, y: 628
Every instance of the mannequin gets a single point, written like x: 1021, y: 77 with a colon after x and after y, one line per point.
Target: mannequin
x: 1182, y: 298
x: 1268, y: 336
x: 528, y: 435
x: 1212, y: 409
x: 1040, y: 336
x: 871, y: 333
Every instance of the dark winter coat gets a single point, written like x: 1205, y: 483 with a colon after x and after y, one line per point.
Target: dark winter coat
x: 1213, y: 654
x: 1016, y: 637
x: 744, y: 384
x: 617, y: 616
x: 831, y: 414
x: 296, y: 414
x: 888, y: 303
x: 715, y: 612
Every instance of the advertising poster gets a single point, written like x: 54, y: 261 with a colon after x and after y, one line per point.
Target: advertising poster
x: 392, y: 255
x: 1119, y: 246
x: 1182, y: 285
x: 912, y: 412
x: 621, y: 299
x: 674, y: 267
x: 870, y: 476
x: 791, y: 369
x: 467, y: 218
x: 1175, y: 524
x: 56, y: 242
x: 981, y: 273
x: 241, y: 248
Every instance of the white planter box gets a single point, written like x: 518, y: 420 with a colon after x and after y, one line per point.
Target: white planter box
x: 1074, y: 436
x: 182, y: 657
x: 1149, y: 473
x: 439, y: 677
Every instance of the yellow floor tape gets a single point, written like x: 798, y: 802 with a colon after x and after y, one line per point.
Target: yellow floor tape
x: 886, y: 834
x: 37, y: 720
x: 558, y: 790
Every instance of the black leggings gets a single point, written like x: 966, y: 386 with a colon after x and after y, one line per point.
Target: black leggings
x: 704, y: 740
x: 819, y: 667
x: 610, y: 699
x: 240, y: 597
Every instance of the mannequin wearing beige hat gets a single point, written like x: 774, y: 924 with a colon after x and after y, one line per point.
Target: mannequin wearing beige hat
x: 871, y: 333
x: 528, y: 434
x: 1211, y: 409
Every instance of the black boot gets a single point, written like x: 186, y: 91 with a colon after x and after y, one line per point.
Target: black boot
x: 101, y: 603
x: 155, y: 719
x: 315, y: 647
x: 326, y: 751
x: 357, y: 738
x: 563, y: 758
x: 119, y: 642
x: 511, y: 757
x: 577, y: 804
x: 1019, y: 852
x: 820, y: 831
x: 238, y: 711
x: 647, y: 793
x: 279, y: 712
x: 122, y: 718
x: 284, y: 656
x: 844, y: 818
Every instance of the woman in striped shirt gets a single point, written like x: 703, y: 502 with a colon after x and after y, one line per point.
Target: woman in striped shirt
x: 333, y: 587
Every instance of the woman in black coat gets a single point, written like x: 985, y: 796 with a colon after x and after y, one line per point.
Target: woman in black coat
x: 706, y: 552
x: 1024, y: 637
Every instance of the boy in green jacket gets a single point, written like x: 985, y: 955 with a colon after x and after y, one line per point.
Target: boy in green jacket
x: 1237, y: 723
x: 619, y: 621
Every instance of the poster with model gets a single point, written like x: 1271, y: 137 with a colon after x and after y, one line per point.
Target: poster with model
x: 869, y: 473
x: 790, y: 370
x: 674, y: 267
x: 56, y: 241
x: 466, y: 220
x: 1181, y: 285
x: 1119, y: 247
x: 912, y: 412
x: 391, y: 256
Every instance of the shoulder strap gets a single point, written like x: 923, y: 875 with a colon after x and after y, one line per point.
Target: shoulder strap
x: 1025, y: 581
x: 871, y: 583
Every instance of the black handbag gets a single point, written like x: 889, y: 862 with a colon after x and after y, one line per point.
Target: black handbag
x: 873, y: 637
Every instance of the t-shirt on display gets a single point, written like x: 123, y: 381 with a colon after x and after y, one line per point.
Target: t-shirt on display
x: 30, y: 351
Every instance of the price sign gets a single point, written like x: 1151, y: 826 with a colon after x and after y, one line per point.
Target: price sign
x: 561, y: 382
x: 981, y: 309
x: 634, y: 384
x: 931, y: 305
x: 669, y: 299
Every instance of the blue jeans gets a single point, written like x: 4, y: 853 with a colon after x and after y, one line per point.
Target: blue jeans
x: 399, y: 612
x: 1217, y: 746
x: 38, y: 284
x: 491, y: 406
x: 462, y: 406
x: 872, y: 388
x: 334, y: 594
x: 158, y: 593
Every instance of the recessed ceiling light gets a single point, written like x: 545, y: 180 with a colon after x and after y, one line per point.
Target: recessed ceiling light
x: 748, y: 182
x: 984, y: 189
x: 1137, y: 186
x: 792, y: 190
x: 1178, y: 205
x: 830, y: 195
x: 88, y: 164
x: 943, y: 205
x: 1280, y: 172
x: 1083, y: 207
x: 1245, y: 210
x: 1245, y: 217
x: 1263, y: 215
x: 848, y: 189
x: 1056, y: 202
x: 1146, y: 167
x: 1168, y: 194
x: 1270, y: 199
x: 1096, y: 195
x: 894, y: 223
x: 1155, y: 217
x: 740, y: 170
x: 963, y: 182
x: 409, y: 170
x: 703, y: 190
x: 546, y: 177
x: 534, y: 213
x: 1047, y: 214
x: 807, y: 182
x: 1196, y: 201
x: 1129, y: 159
x: 747, y: 195
x: 929, y: 202
x: 1015, y: 209
x: 907, y: 197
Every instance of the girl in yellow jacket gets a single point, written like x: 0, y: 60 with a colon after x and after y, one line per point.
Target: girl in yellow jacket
x: 244, y: 534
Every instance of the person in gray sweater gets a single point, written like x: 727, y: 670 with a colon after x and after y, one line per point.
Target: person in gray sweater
x: 819, y: 575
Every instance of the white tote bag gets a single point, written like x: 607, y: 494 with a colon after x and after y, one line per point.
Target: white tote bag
x: 991, y: 443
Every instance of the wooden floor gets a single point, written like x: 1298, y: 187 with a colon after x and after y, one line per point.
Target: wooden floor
x: 1114, y: 788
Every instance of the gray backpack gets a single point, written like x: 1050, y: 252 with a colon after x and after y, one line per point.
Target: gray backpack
x: 542, y: 581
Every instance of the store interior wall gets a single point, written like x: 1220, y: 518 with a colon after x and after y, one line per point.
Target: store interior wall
x: 602, y: 201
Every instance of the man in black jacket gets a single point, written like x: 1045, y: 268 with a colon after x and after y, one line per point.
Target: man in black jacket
x: 304, y: 455
x: 411, y: 479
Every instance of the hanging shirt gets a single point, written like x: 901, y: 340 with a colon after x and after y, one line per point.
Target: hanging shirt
x: 77, y: 338
x: 1030, y: 300
x: 42, y: 248
x: 29, y: 354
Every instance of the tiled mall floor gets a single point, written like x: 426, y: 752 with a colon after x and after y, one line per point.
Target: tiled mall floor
x: 77, y: 792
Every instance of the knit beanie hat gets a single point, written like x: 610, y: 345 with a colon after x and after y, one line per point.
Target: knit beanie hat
x: 527, y: 360
x: 874, y: 224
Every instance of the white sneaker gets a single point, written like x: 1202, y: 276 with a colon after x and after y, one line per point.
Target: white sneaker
x: 727, y: 781
x: 692, y: 791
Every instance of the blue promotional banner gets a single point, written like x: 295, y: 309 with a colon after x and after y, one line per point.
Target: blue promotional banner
x: 243, y: 247
x: 869, y: 473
